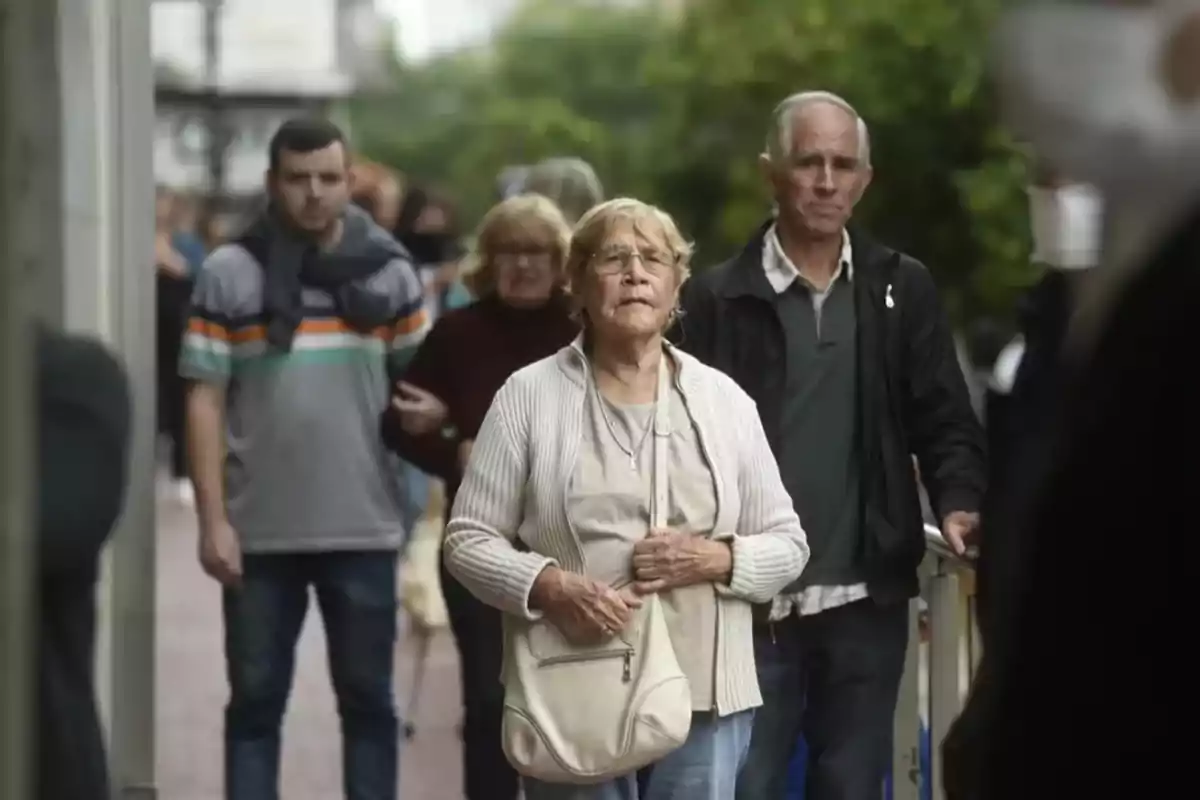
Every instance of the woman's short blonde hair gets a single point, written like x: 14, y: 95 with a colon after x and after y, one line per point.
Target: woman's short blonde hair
x: 529, y: 216
x: 594, y: 228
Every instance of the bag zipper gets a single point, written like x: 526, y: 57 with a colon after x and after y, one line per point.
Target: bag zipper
x: 576, y: 658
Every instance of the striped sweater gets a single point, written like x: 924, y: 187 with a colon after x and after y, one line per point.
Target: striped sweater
x: 516, y: 487
x: 306, y: 468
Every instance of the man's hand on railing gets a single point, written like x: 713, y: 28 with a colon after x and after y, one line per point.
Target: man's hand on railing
x: 958, y: 527
x: 941, y: 547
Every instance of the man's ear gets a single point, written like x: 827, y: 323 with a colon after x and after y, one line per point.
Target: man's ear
x: 767, y: 168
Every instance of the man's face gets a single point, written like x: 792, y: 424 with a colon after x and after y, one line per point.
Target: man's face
x: 818, y: 184
x: 312, y: 189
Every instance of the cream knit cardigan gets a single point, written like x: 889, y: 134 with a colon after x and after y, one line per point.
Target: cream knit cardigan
x: 517, y: 481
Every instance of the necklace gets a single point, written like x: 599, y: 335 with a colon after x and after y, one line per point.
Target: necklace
x: 632, y: 450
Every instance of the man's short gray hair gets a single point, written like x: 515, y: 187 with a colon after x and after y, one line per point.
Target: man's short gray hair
x: 780, y: 136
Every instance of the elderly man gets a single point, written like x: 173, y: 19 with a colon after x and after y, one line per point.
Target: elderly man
x: 843, y: 344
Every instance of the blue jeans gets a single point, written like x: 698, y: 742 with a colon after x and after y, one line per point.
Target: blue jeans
x: 705, y: 768
x: 414, y: 485
x: 356, y: 593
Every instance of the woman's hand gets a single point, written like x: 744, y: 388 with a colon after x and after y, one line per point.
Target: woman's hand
x: 667, y: 559
x: 421, y: 412
x: 584, y: 611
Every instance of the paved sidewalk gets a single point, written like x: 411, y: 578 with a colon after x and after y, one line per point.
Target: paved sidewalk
x: 191, y: 694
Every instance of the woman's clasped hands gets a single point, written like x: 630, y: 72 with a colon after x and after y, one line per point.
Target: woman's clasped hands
x: 587, y: 611
x: 668, y: 559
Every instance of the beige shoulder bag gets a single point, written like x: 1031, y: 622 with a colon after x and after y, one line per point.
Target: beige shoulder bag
x: 588, y: 714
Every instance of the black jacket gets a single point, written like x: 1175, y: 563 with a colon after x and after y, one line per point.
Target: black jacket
x: 83, y: 441
x: 912, y: 395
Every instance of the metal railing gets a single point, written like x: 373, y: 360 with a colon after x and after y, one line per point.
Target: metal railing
x: 943, y: 654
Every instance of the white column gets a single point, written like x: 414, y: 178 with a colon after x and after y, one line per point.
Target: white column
x: 129, y: 191
x: 29, y: 274
x: 108, y: 292
x: 85, y: 62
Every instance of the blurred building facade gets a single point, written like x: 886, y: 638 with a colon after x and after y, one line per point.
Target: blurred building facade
x: 250, y: 64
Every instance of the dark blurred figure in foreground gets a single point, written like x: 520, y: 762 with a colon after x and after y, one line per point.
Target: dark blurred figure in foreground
x: 1074, y: 698
x: 1024, y: 408
x: 1028, y: 382
x: 83, y: 443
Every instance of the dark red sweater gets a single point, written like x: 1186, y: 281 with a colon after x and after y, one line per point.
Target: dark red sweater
x: 465, y: 359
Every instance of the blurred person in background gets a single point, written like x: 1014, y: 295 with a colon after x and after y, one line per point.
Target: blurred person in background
x: 186, y: 234
x: 178, y: 256
x: 1107, y: 93
x: 563, y: 477
x: 377, y: 190
x: 570, y: 182
x: 845, y: 347
x: 297, y: 331
x: 510, y: 181
x: 83, y: 425
x: 522, y: 315
x: 427, y: 226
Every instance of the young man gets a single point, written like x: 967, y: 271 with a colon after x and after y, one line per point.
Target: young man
x: 843, y: 345
x: 297, y: 329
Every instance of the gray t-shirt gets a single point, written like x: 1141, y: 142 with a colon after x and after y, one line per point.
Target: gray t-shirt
x: 305, y: 468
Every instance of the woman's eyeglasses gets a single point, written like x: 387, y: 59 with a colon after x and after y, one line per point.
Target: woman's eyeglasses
x: 612, y: 262
x: 513, y: 253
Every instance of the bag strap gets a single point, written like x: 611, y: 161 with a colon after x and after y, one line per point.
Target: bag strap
x: 660, y: 501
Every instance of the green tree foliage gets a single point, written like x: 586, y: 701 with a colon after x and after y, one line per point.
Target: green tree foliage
x: 674, y: 109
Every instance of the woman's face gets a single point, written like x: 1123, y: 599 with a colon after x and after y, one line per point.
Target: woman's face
x: 633, y: 284
x: 525, y: 268
x: 432, y: 219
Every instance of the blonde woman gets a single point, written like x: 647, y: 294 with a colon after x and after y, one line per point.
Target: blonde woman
x: 563, y: 461
x: 521, y: 316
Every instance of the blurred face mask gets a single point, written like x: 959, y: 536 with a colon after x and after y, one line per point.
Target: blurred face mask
x: 1066, y: 225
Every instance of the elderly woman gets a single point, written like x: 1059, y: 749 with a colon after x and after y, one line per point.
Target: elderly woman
x: 522, y: 315
x: 564, y: 462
